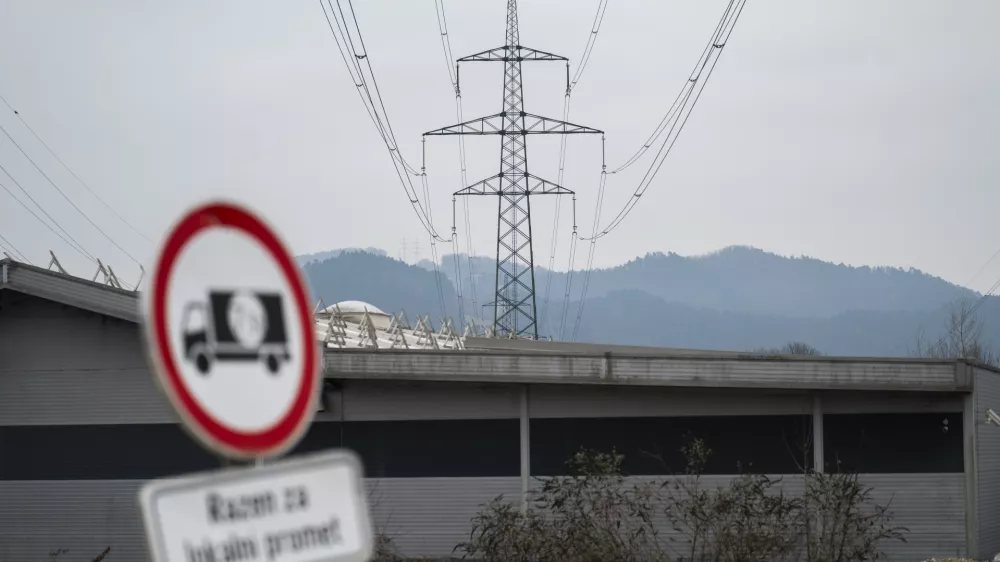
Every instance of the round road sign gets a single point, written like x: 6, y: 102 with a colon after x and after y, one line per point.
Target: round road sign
x: 230, y: 333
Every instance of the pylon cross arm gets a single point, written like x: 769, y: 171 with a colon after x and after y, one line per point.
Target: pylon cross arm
x: 534, y: 185
x: 500, y: 124
x: 511, y: 54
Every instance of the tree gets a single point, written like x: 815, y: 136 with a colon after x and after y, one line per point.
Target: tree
x: 963, y: 337
x: 790, y: 348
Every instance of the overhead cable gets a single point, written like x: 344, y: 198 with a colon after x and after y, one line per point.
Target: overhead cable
x: 371, y: 72
x: 554, y: 243
x: 693, y: 79
x: 689, y: 100
x: 72, y: 173
x: 64, y: 236
x: 16, y: 253
x: 392, y: 137
x: 593, y: 246
x: 442, y: 22
x: 345, y: 45
x: 983, y: 268
x: 66, y: 197
x: 676, y: 117
x: 350, y: 58
x: 588, y: 48
x: 952, y: 330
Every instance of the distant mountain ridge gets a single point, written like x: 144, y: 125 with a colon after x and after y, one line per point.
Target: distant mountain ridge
x: 738, y: 298
x: 321, y: 256
x: 745, y: 279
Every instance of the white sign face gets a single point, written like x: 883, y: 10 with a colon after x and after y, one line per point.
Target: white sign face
x: 231, y: 334
x: 310, y: 509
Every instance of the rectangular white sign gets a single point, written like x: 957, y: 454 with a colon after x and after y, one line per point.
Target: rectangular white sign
x: 309, y: 509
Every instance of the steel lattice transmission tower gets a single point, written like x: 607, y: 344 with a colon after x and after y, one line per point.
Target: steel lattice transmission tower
x: 514, y: 305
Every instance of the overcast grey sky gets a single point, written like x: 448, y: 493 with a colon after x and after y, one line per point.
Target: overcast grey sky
x: 856, y: 131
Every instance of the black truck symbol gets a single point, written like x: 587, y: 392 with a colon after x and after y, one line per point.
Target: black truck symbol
x: 235, y: 326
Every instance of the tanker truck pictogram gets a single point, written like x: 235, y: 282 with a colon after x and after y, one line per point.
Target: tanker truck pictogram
x: 235, y: 325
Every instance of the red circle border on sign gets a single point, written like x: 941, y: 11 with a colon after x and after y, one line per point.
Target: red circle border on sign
x: 283, y: 434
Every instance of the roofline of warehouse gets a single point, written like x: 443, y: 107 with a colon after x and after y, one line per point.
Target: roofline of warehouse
x: 69, y: 290
x: 521, y: 361
x: 707, y: 370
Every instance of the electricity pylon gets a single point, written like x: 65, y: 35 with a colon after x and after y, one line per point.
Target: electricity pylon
x: 514, y: 312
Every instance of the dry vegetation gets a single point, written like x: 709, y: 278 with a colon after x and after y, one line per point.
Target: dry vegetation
x: 597, y: 515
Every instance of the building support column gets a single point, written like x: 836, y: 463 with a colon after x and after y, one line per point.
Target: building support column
x: 817, y: 434
x: 525, y: 448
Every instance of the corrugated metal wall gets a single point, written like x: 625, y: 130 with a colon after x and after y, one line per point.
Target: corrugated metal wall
x: 85, y: 517
x: 931, y: 506
x: 988, y: 463
x: 424, y: 516
x: 429, y: 516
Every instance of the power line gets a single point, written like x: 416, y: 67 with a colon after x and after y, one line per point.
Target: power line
x: 693, y: 79
x: 14, y: 249
x: 722, y: 38
x: 392, y: 136
x: 371, y: 71
x: 588, y: 48
x: 696, y: 82
x: 64, y: 196
x: 70, y: 170
x: 68, y: 238
x: 592, y: 250
x: 367, y: 100
x: 344, y: 43
x: 569, y: 275
x: 983, y: 268
x: 971, y: 311
x: 442, y: 21
x: 74, y: 244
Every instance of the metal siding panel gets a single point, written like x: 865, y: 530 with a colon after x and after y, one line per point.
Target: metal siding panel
x: 988, y: 463
x: 713, y: 372
x: 424, y: 516
x: 37, y: 518
x: 560, y: 401
x: 429, y: 516
x: 931, y: 506
x: 82, y: 398
x: 376, y: 400
x: 60, y: 365
x: 41, y: 335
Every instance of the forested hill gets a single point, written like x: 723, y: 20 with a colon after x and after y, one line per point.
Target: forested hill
x: 735, y: 299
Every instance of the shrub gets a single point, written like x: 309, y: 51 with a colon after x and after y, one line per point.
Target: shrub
x: 595, y: 515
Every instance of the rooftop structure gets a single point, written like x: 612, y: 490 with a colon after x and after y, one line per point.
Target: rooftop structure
x: 344, y: 325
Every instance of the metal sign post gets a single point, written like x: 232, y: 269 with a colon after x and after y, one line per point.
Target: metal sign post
x: 231, y: 339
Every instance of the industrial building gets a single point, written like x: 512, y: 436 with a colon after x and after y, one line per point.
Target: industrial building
x: 443, y: 423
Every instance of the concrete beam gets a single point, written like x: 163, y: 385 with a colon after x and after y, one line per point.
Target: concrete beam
x: 915, y: 375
